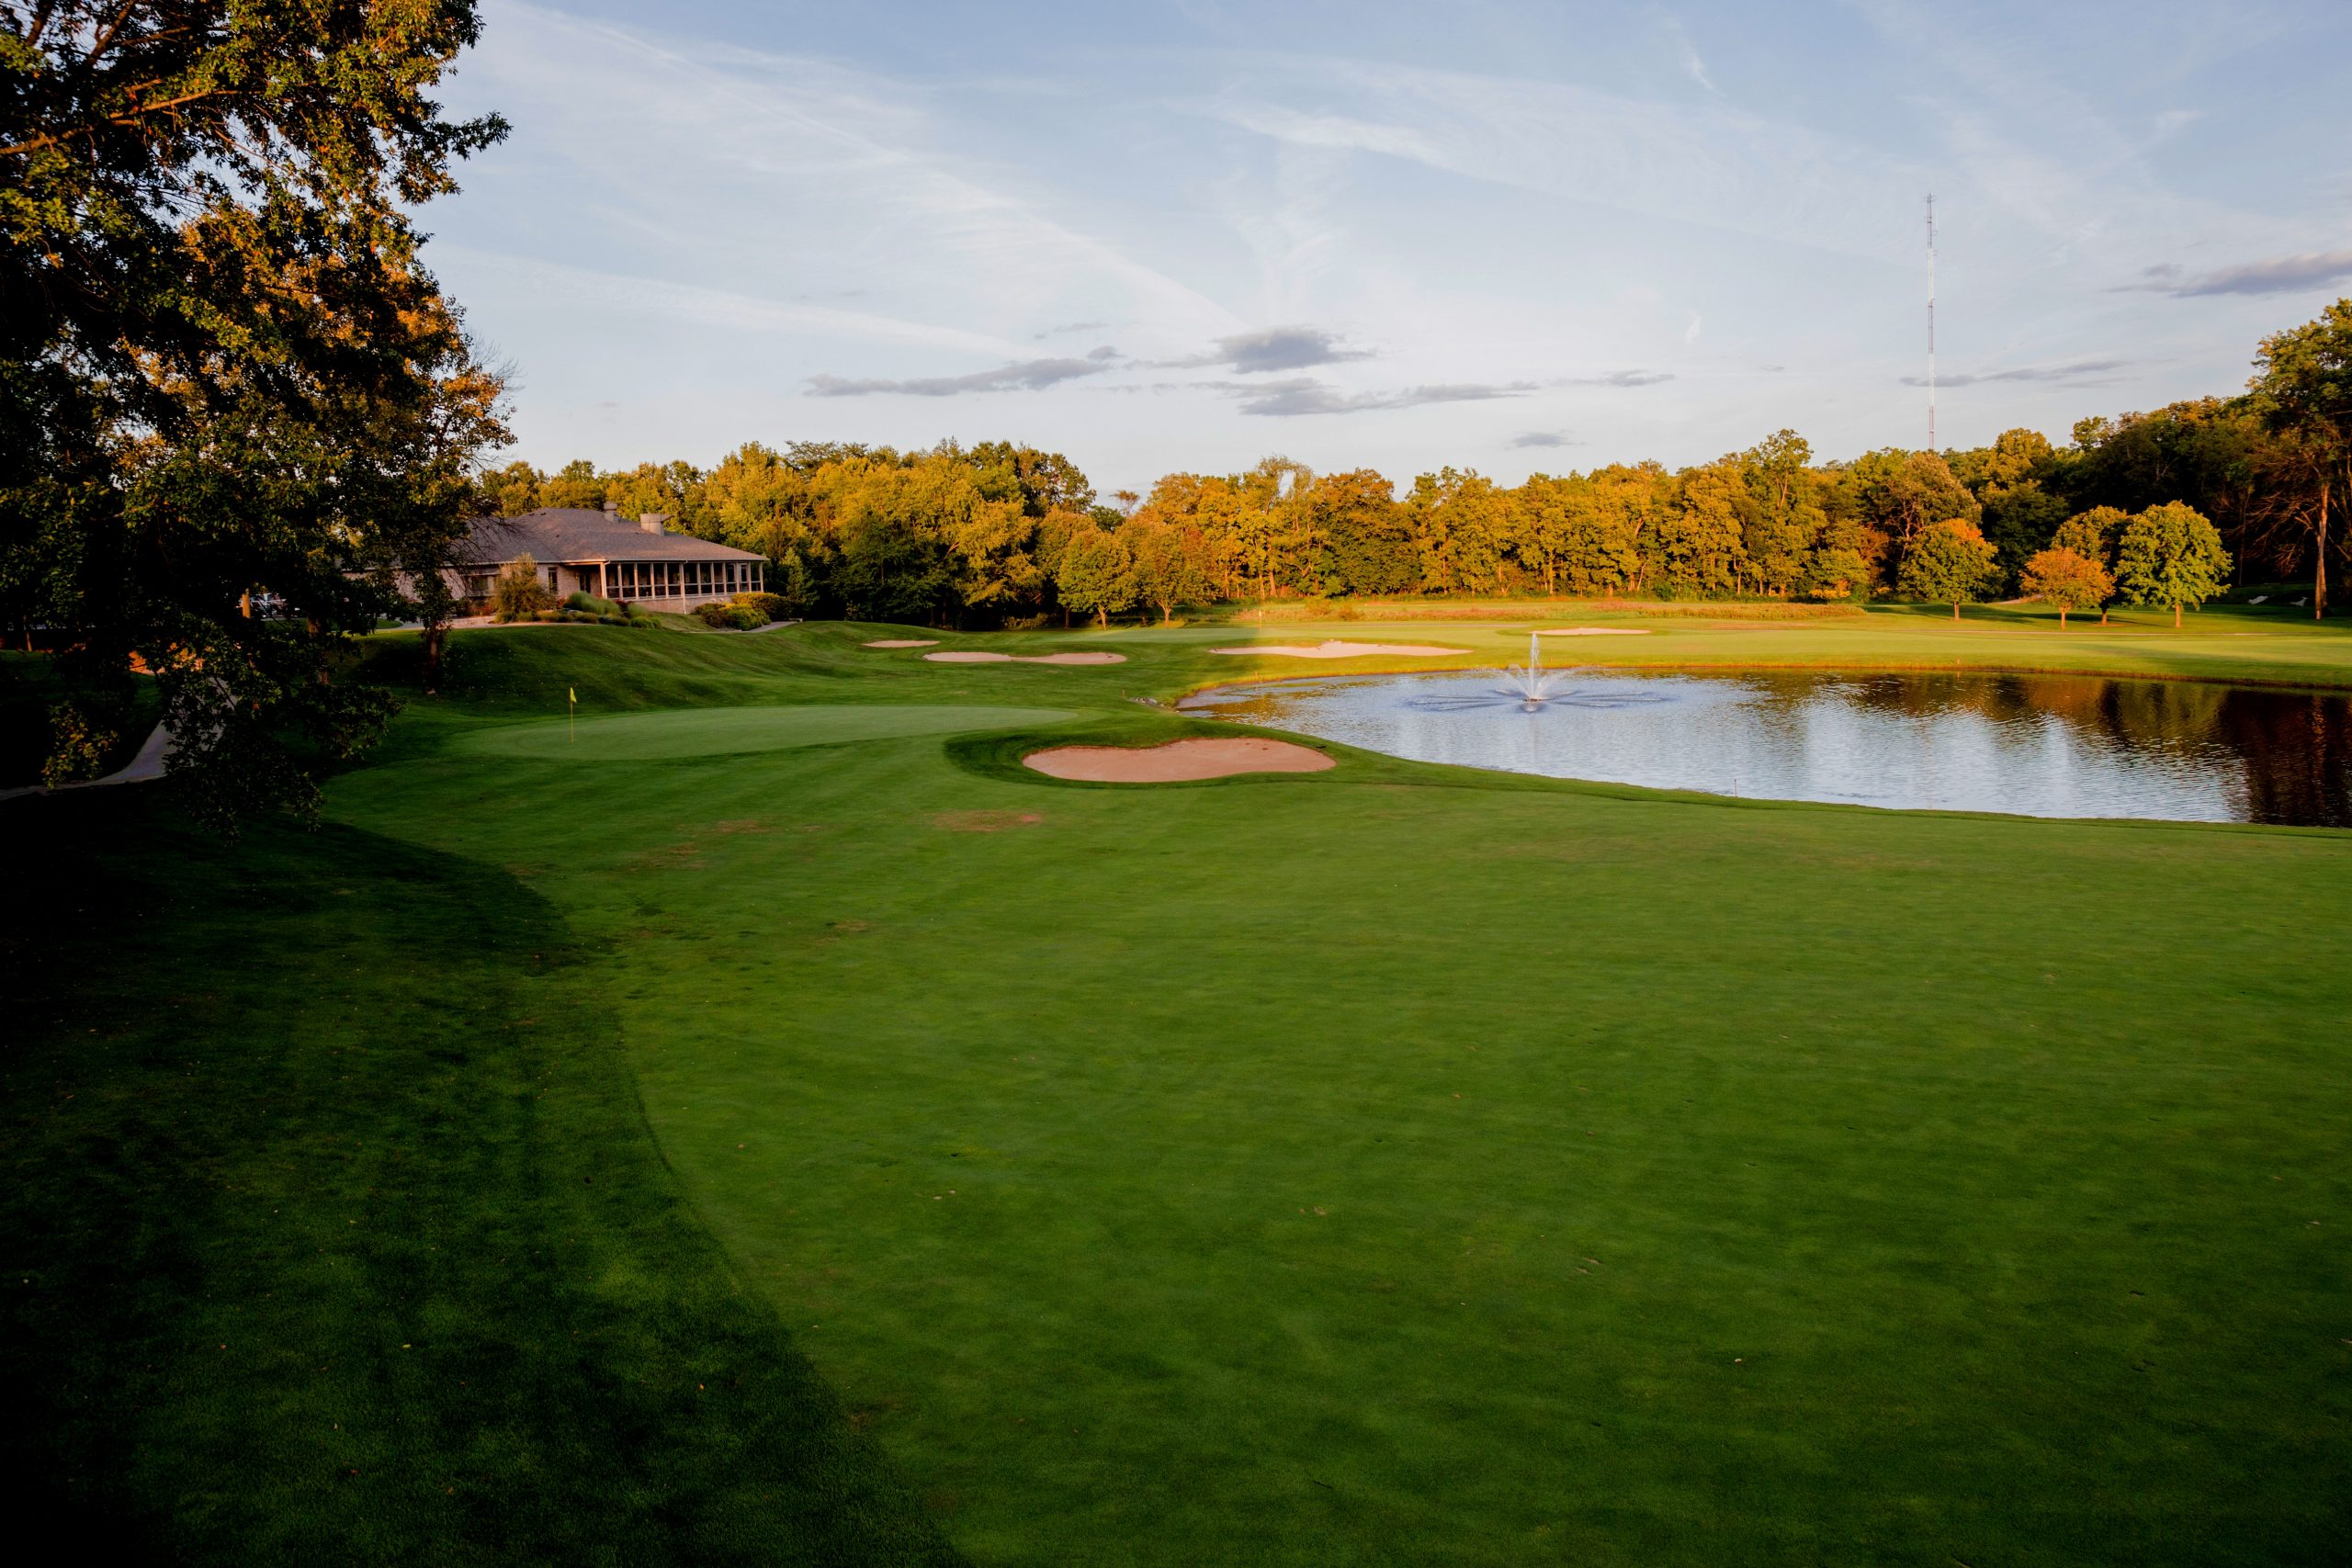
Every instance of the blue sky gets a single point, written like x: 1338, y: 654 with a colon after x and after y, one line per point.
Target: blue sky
x: 1505, y: 236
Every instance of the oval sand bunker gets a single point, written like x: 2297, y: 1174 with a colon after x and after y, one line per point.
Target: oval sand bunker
x: 902, y: 642
x: 1335, y: 648
x: 1176, y: 761
x: 959, y: 656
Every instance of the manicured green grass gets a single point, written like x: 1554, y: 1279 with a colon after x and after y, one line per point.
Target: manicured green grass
x: 1393, y: 1164
x: 706, y: 732
x: 1361, y: 1166
x: 332, y: 1233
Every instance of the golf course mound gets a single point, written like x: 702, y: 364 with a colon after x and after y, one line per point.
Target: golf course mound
x: 1178, y: 761
x: 1593, y: 631
x: 971, y: 656
x: 1337, y: 649
x: 711, y: 732
x: 902, y: 642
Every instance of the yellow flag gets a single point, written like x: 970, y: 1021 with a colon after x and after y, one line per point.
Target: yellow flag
x: 574, y: 691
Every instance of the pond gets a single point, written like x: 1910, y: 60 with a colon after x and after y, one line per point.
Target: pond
x: 2032, y: 745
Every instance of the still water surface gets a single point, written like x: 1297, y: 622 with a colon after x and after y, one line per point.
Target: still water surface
x: 2033, y: 745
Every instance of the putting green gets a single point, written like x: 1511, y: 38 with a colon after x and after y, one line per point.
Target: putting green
x: 710, y: 732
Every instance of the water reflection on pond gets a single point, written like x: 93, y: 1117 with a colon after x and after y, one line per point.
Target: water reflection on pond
x: 2035, y: 745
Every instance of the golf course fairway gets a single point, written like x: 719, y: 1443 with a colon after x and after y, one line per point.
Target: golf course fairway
x: 1389, y: 1164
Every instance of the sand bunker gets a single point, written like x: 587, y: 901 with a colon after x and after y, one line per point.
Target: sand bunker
x: 1337, y: 649
x: 959, y: 657
x: 903, y: 642
x: 1594, y: 631
x: 1176, y: 761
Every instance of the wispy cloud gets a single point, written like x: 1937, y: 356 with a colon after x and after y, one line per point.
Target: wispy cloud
x: 1275, y: 349
x: 2079, y: 371
x: 1545, y: 438
x: 1687, y: 52
x: 590, y: 290
x: 1305, y: 395
x: 872, y: 153
x: 1704, y: 163
x: 1067, y: 327
x: 1618, y: 378
x: 2277, y: 274
x: 1028, y: 376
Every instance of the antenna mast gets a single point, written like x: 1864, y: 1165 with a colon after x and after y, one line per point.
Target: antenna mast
x: 1932, y: 322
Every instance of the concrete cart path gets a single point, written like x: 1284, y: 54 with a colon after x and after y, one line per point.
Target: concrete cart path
x: 148, y: 764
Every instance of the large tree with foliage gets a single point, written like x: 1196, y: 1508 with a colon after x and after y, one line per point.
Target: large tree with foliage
x: 2304, y: 396
x: 2170, y: 555
x: 1949, y: 563
x: 1367, y: 543
x: 223, y: 367
x: 1097, y: 575
x: 2067, y: 579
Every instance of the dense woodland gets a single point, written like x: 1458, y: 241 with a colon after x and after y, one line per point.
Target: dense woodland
x: 1000, y: 533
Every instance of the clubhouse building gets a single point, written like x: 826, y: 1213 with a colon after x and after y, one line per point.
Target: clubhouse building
x: 636, y: 559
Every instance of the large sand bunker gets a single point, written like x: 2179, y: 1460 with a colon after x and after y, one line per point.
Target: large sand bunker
x: 1594, y: 631
x: 1334, y: 648
x: 902, y: 642
x: 1176, y: 761
x: 957, y: 656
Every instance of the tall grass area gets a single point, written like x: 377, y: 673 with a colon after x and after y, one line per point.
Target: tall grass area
x: 334, y: 1233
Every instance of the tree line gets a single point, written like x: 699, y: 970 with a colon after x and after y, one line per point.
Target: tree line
x: 1001, y: 533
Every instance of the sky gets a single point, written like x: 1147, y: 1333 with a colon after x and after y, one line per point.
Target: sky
x: 1511, y: 237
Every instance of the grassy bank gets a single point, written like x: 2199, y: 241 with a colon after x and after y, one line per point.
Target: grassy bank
x: 1393, y: 1164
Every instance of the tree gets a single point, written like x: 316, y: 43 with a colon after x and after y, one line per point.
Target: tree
x: 2067, y: 579
x: 1702, y: 542
x: 1611, y: 515
x: 2304, y: 394
x: 1169, y: 567
x: 2205, y: 451
x: 1787, y: 518
x: 577, y: 485
x: 1468, y: 525
x: 2092, y: 535
x: 1367, y: 541
x: 1097, y: 575
x: 895, y: 561
x: 2170, y: 555
x: 223, y: 367
x: 509, y: 491
x: 1948, y: 564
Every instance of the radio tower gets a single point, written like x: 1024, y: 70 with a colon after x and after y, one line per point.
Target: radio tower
x: 1932, y: 322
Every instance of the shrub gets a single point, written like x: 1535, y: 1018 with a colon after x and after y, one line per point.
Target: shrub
x: 730, y: 616
x: 771, y: 606
x: 592, y: 604
x: 518, y: 593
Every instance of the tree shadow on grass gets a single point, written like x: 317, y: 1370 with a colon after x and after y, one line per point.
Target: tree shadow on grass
x: 335, y: 1231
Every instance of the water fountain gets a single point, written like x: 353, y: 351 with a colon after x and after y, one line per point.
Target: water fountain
x: 1531, y: 688
x: 1528, y: 682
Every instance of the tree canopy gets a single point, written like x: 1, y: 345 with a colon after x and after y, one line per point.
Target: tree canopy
x: 223, y: 367
x: 2170, y: 555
